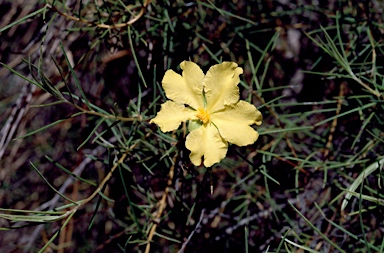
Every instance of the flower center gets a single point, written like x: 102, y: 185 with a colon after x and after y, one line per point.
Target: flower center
x: 202, y: 115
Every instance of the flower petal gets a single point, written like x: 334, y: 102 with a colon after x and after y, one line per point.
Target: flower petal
x: 220, y: 85
x: 171, y: 115
x: 234, y: 123
x: 186, y: 88
x: 206, y: 141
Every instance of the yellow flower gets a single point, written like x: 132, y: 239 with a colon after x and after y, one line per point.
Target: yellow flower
x: 211, y: 105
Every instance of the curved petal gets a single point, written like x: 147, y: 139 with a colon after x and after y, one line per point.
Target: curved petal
x: 220, y: 85
x: 171, y: 115
x: 206, y: 141
x: 186, y: 88
x: 234, y: 123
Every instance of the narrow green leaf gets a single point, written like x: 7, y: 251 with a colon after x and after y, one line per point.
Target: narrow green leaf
x: 134, y: 56
x: 49, y: 104
x: 91, y: 133
x: 365, y: 173
x: 32, y: 218
x: 316, y: 229
x: 23, y: 19
x: 356, y: 237
x: 30, y: 211
x: 346, y: 113
x: 47, y: 126
x: 70, y: 173
x: 22, y: 76
x: 77, y: 82
x: 51, y: 186
x: 300, y: 246
x: 43, y: 249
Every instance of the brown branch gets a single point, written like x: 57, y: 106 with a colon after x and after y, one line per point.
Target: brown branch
x: 190, y: 236
x: 162, y: 206
x: 104, y: 26
x: 334, y: 122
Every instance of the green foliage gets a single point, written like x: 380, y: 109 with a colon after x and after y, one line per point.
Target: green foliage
x: 83, y: 170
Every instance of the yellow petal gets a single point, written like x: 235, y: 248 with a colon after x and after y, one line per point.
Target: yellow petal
x: 206, y: 141
x: 234, y: 123
x: 220, y: 85
x: 186, y: 88
x: 171, y: 115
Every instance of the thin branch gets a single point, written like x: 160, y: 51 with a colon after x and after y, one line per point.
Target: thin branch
x: 162, y: 206
x: 190, y: 236
x: 104, y: 26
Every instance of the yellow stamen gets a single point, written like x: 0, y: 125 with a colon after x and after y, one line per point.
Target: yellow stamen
x: 202, y: 115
